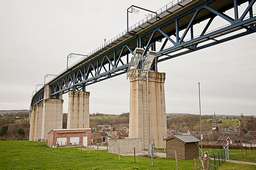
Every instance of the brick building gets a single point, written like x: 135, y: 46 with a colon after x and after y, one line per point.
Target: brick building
x: 186, y: 147
x: 70, y: 137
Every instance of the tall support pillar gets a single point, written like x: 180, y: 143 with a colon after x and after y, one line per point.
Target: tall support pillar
x: 39, y: 121
x: 35, y: 131
x: 51, y: 114
x: 147, y: 118
x: 36, y: 122
x: 78, y: 109
x: 32, y: 123
x: 45, y: 116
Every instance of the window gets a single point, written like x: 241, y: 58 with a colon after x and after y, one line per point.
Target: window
x: 74, y: 140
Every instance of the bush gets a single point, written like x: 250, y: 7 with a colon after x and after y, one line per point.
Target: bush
x: 3, y: 130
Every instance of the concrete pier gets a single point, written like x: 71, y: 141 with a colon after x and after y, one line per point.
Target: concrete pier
x: 45, y: 116
x: 78, y: 109
x: 39, y: 121
x: 36, y: 135
x: 147, y: 118
x: 36, y: 122
x: 51, y: 116
x: 32, y: 124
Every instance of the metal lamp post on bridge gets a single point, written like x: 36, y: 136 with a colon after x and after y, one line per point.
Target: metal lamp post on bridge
x: 132, y: 7
x: 36, y: 86
x: 49, y: 75
x: 131, y: 10
x: 34, y: 91
x: 75, y: 54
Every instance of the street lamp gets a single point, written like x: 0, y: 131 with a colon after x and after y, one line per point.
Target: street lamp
x: 35, y: 90
x: 75, y: 54
x: 38, y: 85
x: 131, y: 10
x: 49, y: 75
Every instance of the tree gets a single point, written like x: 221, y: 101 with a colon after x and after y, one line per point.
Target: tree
x: 21, y: 132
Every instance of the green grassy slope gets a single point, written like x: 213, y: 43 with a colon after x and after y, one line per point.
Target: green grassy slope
x: 31, y: 155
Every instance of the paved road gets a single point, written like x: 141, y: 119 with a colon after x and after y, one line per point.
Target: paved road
x: 241, y: 162
x: 238, y: 162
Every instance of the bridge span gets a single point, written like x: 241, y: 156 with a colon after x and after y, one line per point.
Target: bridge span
x: 173, y: 30
x: 176, y: 29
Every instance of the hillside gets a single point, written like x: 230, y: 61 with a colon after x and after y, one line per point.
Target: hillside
x: 14, y: 124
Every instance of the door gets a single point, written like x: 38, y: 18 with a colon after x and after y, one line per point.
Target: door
x: 85, y: 141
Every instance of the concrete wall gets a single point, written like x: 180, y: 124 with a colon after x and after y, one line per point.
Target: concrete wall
x: 78, y: 109
x: 125, y: 146
x: 147, y: 108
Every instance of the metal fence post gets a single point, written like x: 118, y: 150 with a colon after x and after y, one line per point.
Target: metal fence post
x: 134, y: 154
x: 214, y: 162
x: 219, y: 158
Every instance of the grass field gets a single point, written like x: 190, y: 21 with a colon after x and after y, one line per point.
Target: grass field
x: 31, y: 155
x: 231, y: 166
x: 237, y: 154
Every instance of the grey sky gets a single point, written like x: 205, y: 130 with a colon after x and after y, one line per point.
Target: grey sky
x: 36, y: 36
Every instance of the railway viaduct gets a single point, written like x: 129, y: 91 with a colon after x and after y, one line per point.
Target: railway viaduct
x: 178, y: 28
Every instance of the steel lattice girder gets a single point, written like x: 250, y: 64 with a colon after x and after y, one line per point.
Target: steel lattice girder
x: 173, y: 28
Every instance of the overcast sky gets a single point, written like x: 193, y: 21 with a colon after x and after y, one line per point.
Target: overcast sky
x: 36, y: 36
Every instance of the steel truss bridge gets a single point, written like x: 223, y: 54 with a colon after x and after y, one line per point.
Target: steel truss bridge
x: 177, y: 30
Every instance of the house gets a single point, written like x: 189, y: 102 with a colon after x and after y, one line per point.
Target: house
x: 186, y: 147
x: 80, y: 137
x: 235, y: 137
x: 104, y: 128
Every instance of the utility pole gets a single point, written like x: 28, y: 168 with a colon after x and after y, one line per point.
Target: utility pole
x: 200, y: 111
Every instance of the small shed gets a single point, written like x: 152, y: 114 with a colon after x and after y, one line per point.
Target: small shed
x: 185, y: 146
x: 69, y: 137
